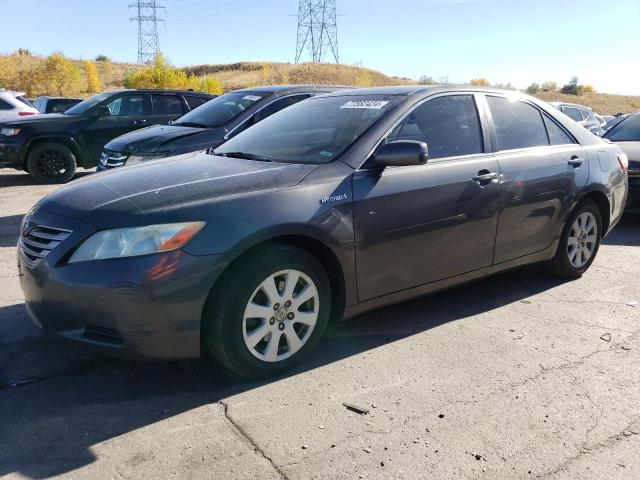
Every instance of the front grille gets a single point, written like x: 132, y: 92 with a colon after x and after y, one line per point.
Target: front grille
x: 110, y: 159
x: 37, y: 242
x: 103, y: 334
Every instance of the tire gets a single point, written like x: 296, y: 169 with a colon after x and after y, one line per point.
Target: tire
x: 579, y: 242
x: 51, y: 163
x: 271, y: 284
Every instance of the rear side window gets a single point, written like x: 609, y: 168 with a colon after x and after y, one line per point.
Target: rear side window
x: 194, y: 102
x: 167, y: 105
x: 5, y: 106
x: 573, y: 113
x: 518, y: 124
x: 585, y: 113
x: 557, y: 136
x: 449, y: 125
x: 60, y: 106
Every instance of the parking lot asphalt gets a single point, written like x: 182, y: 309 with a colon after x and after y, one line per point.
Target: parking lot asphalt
x: 517, y: 376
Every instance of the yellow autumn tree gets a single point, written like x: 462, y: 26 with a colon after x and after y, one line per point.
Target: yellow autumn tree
x: 480, y: 82
x: 60, y: 76
x: 93, y: 79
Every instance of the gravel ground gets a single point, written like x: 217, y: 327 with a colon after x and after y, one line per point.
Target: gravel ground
x: 517, y: 376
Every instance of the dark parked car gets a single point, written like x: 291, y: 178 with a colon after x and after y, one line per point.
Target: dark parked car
x: 208, y: 126
x: 581, y: 114
x: 50, y: 146
x: 334, y: 206
x: 613, y: 122
x: 626, y: 134
x: 55, y: 104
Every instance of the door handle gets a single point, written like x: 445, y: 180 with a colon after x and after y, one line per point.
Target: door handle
x: 139, y: 122
x: 485, y: 176
x: 576, y: 161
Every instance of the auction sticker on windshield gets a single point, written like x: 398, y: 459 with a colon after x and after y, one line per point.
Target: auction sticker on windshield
x: 372, y: 104
x: 253, y: 98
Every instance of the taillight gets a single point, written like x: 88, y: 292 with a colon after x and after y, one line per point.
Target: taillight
x: 24, y: 114
x: 623, y: 160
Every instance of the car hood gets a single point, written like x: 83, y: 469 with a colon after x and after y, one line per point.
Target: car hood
x: 179, y: 188
x: 158, y: 138
x: 41, y: 118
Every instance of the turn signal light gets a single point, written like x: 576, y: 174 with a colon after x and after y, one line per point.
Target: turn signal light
x: 24, y: 114
x: 623, y: 160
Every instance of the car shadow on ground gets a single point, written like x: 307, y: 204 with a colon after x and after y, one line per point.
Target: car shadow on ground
x: 72, y: 400
x: 50, y: 425
x: 627, y: 233
x: 10, y: 230
x: 23, y: 179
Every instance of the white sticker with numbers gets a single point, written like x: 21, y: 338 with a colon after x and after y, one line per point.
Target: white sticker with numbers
x: 370, y: 104
x: 253, y: 98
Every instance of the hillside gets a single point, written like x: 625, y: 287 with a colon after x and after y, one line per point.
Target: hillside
x: 20, y: 72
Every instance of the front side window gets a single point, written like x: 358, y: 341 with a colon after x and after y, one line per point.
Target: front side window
x: 626, y: 131
x: 85, y: 105
x: 449, y: 125
x: 194, y: 101
x: 126, y: 106
x: 315, y: 131
x: 573, y: 113
x: 167, y: 105
x: 517, y: 124
x: 280, y: 104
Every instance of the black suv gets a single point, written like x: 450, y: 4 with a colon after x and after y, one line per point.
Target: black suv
x: 207, y: 126
x: 50, y: 146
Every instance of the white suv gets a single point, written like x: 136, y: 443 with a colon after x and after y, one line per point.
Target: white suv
x: 13, y: 104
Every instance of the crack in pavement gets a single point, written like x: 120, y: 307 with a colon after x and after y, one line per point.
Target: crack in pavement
x: 631, y: 429
x: 257, y: 448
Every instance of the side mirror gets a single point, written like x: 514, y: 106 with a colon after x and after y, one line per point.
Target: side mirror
x: 401, y: 153
x: 99, y: 112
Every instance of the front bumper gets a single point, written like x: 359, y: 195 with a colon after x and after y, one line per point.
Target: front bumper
x: 139, y: 307
x: 11, y: 152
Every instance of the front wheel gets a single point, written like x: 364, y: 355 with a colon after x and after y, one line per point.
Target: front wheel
x: 51, y: 163
x: 579, y: 242
x: 269, y: 312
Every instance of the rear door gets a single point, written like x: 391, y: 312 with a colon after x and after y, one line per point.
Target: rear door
x: 166, y: 107
x: 129, y: 111
x: 418, y: 224
x: 542, y: 169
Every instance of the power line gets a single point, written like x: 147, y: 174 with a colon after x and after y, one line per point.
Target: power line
x: 317, y: 30
x: 148, y: 43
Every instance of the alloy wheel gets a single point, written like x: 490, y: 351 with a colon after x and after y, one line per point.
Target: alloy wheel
x: 52, y: 163
x: 280, y: 315
x: 582, y: 239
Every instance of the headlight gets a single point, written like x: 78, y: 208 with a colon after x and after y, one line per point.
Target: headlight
x: 134, y: 241
x: 9, y: 132
x: 135, y: 159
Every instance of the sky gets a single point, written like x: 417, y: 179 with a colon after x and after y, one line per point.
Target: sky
x: 517, y: 41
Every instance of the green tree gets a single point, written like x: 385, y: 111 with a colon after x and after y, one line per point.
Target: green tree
x: 533, y: 88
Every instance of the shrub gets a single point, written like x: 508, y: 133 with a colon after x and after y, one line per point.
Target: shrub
x: 571, y: 88
x: 102, y: 58
x: 533, y: 88
x: 588, y: 89
x: 549, y: 87
x: 93, y: 79
x: 425, y: 80
x: 480, y: 82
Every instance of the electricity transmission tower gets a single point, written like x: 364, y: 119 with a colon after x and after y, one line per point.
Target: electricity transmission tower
x: 148, y: 45
x: 317, y: 29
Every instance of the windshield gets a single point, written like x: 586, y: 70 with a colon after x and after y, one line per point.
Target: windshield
x: 220, y: 110
x: 627, y: 130
x: 315, y: 131
x: 82, y: 107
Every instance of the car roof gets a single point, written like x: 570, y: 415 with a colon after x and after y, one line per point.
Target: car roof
x: 58, y: 98
x: 293, y: 88
x: 406, y: 90
x: 157, y: 90
x: 577, y: 105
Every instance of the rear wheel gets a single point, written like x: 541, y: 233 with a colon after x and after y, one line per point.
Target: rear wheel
x: 269, y: 312
x: 580, y: 241
x: 51, y: 163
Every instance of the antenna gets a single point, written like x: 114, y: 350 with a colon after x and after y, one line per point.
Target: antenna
x: 317, y: 30
x: 148, y: 44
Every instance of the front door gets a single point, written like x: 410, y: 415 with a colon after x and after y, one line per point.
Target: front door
x: 128, y: 112
x: 542, y: 169
x: 419, y: 224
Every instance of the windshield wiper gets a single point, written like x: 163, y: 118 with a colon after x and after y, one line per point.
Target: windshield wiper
x: 245, y: 155
x: 190, y: 124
